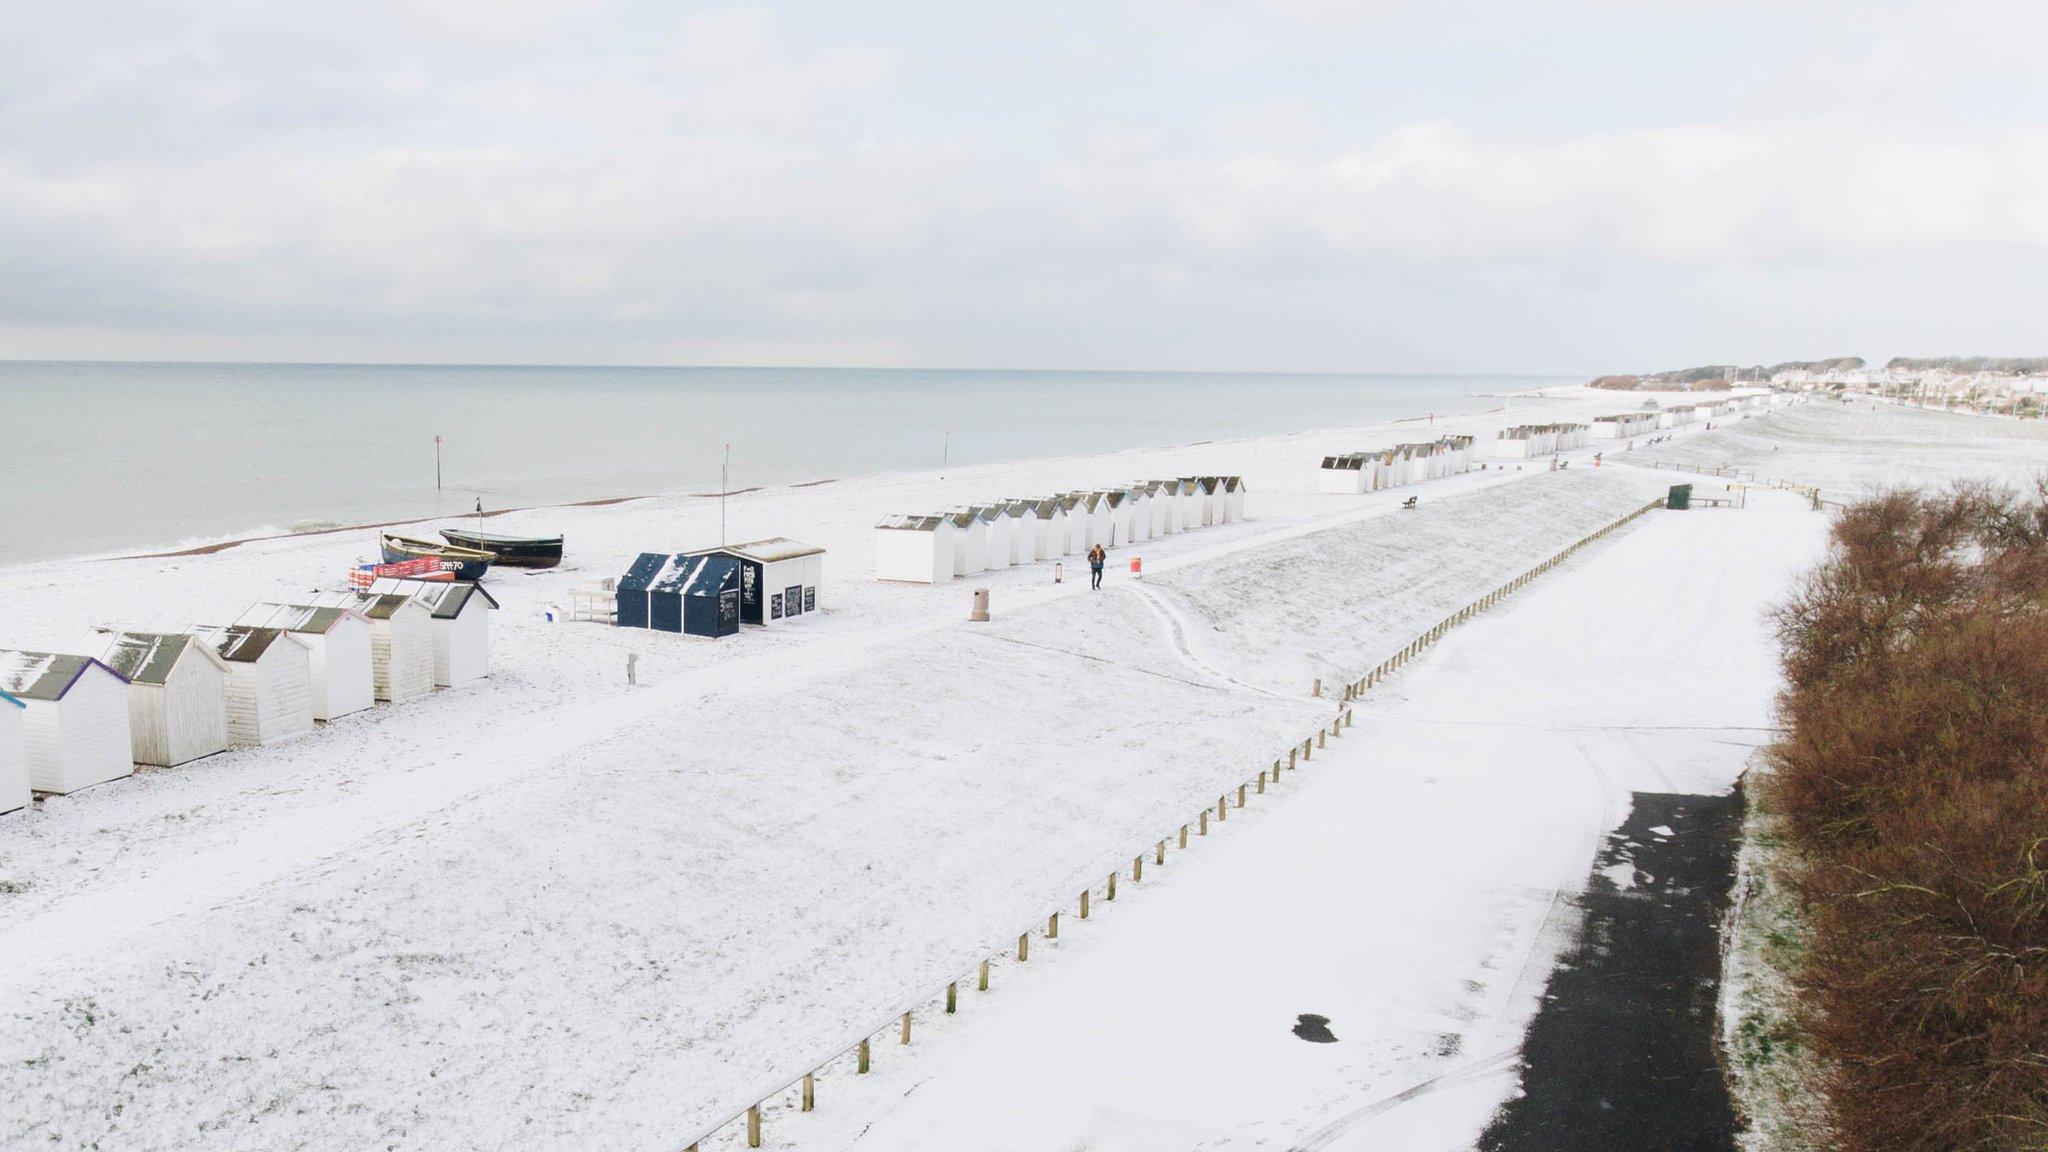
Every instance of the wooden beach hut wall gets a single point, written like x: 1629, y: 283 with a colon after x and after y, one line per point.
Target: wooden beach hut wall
x: 915, y: 549
x: 1156, y: 506
x: 1205, y: 490
x: 460, y: 611
x: 338, y: 641
x: 401, y: 642
x: 1101, y: 519
x: 14, y: 791
x: 75, y: 720
x: 1045, y: 524
x: 270, y: 683
x: 177, y: 696
x: 1233, y: 486
x: 779, y: 578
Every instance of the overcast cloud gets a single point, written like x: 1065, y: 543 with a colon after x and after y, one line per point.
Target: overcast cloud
x: 1370, y: 186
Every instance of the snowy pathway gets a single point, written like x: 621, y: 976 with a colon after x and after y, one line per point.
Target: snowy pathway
x: 1411, y: 886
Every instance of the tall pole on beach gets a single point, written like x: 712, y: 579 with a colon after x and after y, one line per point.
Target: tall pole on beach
x: 946, y: 454
x: 437, y: 463
x: 724, y: 483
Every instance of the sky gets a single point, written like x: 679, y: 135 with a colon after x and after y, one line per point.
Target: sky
x: 1600, y: 186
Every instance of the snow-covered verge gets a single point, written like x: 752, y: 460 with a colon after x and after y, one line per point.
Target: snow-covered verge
x: 1850, y: 449
x: 549, y: 911
x: 1774, y: 1075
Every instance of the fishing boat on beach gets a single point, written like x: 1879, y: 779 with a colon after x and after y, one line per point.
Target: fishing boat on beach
x: 466, y: 563
x: 511, y: 551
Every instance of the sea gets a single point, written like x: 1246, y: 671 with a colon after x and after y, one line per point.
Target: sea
x: 99, y: 458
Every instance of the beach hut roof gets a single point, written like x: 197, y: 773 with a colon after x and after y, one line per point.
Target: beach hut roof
x: 305, y: 619
x: 905, y: 523
x: 43, y: 675
x: 1232, y: 483
x: 765, y: 551
x: 645, y: 570
x: 245, y: 643
x: 444, y: 598
x: 149, y: 657
x: 697, y: 575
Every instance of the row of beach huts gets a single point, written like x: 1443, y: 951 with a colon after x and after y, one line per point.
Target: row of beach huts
x: 965, y: 541
x: 167, y: 698
x: 1393, y: 467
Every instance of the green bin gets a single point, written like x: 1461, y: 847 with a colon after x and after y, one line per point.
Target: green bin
x: 1680, y: 498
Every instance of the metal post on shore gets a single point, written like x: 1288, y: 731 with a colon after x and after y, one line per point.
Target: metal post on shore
x: 437, y: 463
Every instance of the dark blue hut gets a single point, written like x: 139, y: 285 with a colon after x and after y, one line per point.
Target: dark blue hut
x: 697, y: 595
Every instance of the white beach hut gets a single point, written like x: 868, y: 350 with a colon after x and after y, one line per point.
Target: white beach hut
x: 461, y: 614
x: 1345, y: 474
x: 1042, y: 520
x: 1206, y: 488
x: 915, y: 549
x: 1160, y: 507
x: 1002, y: 534
x: 1076, y: 509
x: 75, y: 724
x: 270, y: 683
x: 177, y: 696
x: 779, y: 578
x: 338, y: 640
x: 970, y: 551
x: 14, y: 791
x: 1233, y: 486
x: 401, y: 641
x: 1140, y: 500
x: 1123, y: 519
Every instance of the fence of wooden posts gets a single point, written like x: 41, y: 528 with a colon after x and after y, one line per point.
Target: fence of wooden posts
x: 898, y: 1019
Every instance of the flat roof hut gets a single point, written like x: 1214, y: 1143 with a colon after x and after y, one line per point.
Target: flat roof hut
x: 917, y: 549
x: 461, y: 614
x: 177, y: 696
x: 401, y: 642
x: 270, y: 683
x: 75, y: 723
x: 691, y: 595
x: 338, y: 639
x: 779, y: 578
x: 14, y: 791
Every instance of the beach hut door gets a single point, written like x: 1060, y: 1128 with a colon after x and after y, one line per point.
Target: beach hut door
x: 750, y: 593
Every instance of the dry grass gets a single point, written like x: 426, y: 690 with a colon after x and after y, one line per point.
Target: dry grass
x: 1913, y: 782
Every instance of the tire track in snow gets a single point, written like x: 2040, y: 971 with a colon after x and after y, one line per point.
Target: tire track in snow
x: 1176, y: 634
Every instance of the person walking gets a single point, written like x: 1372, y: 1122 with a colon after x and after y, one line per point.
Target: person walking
x: 1097, y: 557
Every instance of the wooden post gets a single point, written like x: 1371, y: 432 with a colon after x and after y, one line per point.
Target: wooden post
x: 810, y: 1092
x: 1290, y: 758
x: 1223, y: 808
x: 1203, y: 829
x: 906, y: 1028
x: 1242, y: 787
x: 1322, y: 738
x: 1137, y: 867
x: 984, y: 976
x: 1160, y: 858
x: 1024, y: 946
x: 861, y: 1059
x: 1318, y: 689
x: 1262, y: 781
x: 1084, y: 903
x: 1052, y: 926
x: 1308, y: 749
x: 754, y: 1126
x: 1110, y: 893
x: 952, y: 997
x: 1183, y: 836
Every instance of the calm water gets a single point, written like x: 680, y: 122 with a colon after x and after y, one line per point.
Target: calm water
x: 99, y: 457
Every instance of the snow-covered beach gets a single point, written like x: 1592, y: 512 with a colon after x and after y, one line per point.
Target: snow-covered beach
x: 550, y: 911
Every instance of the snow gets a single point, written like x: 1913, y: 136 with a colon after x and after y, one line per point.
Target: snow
x: 549, y: 911
x: 1411, y: 884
